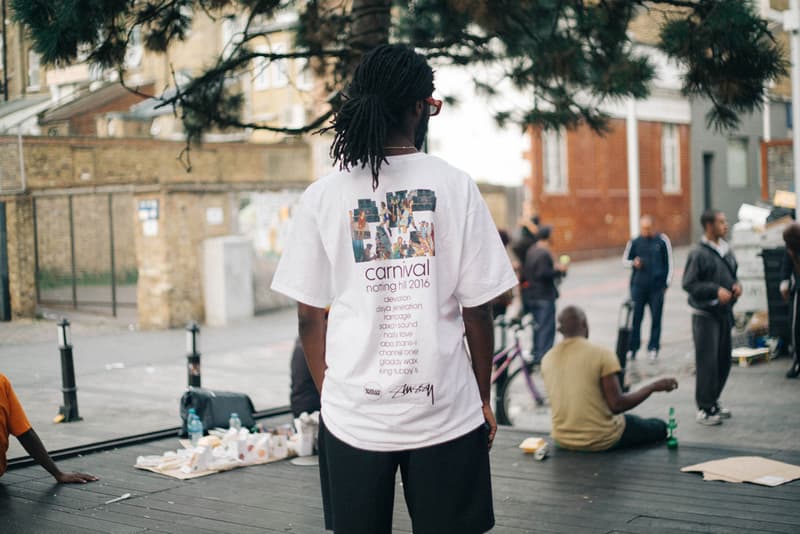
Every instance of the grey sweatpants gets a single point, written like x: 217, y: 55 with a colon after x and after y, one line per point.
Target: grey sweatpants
x: 712, y: 349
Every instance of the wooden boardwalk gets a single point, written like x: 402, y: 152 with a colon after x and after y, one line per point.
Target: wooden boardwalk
x: 617, y: 492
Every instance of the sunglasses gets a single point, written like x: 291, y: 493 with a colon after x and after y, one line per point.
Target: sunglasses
x: 434, y: 106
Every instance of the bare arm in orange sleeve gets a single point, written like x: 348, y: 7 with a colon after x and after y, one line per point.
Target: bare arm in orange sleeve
x: 19, y: 426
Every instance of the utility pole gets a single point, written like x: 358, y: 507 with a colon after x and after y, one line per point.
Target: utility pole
x: 791, y: 23
x: 632, y: 127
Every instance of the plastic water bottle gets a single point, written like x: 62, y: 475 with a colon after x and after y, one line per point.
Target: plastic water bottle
x: 672, y: 441
x: 194, y: 426
x: 234, y: 421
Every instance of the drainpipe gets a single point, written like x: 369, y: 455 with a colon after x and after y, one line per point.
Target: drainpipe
x: 5, y: 52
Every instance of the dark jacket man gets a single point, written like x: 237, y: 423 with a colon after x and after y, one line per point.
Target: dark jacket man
x: 710, y: 280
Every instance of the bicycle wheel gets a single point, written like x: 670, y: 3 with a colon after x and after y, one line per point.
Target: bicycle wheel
x: 517, y: 406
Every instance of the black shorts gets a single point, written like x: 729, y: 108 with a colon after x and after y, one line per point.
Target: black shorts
x: 447, y: 487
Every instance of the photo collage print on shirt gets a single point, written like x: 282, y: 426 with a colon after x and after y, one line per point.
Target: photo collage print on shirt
x: 397, y: 227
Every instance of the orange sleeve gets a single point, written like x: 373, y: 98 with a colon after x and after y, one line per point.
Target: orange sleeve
x: 17, y: 420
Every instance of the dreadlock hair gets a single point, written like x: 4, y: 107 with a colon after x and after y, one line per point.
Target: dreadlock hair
x: 387, y: 82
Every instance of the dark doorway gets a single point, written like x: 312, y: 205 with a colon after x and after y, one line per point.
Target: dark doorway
x: 708, y: 176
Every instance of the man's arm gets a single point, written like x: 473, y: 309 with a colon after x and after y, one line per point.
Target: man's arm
x: 670, y: 264
x: 628, y: 255
x: 480, y: 339
x: 619, y: 402
x: 312, y: 326
x: 33, y: 445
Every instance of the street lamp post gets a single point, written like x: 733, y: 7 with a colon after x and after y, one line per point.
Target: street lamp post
x: 68, y: 412
x: 193, y: 354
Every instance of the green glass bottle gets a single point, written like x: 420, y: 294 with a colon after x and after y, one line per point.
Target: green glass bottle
x: 672, y: 441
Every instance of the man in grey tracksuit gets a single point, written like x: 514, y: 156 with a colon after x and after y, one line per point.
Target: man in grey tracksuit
x: 710, y: 279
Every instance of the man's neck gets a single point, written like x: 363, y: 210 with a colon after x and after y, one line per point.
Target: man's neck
x: 543, y: 244
x: 712, y: 238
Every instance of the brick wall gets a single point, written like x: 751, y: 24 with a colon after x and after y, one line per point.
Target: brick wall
x: 169, y: 289
x: 591, y: 218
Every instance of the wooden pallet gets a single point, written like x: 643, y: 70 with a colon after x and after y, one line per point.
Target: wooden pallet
x: 746, y: 355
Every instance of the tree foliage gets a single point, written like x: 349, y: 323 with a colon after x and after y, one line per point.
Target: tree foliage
x: 566, y: 57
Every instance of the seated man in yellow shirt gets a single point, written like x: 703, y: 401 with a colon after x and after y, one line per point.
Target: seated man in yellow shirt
x: 586, y: 401
x: 14, y: 421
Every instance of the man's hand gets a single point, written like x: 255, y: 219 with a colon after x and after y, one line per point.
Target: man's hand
x: 737, y: 290
x: 664, y: 384
x: 785, y: 292
x: 724, y: 295
x: 490, y: 420
x: 637, y: 262
x: 74, y: 478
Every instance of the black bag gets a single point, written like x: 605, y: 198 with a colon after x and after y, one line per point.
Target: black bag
x: 215, y: 408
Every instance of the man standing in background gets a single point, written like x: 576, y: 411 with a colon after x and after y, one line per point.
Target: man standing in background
x: 650, y: 257
x: 539, y: 294
x: 710, y: 279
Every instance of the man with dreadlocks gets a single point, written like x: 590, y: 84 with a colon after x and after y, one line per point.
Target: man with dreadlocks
x: 398, y: 388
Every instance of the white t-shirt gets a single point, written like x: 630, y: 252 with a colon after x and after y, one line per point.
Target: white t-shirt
x: 396, y: 265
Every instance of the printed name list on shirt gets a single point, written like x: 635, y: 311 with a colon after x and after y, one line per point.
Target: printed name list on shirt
x: 398, y: 234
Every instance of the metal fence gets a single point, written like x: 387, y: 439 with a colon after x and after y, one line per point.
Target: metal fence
x: 85, y: 251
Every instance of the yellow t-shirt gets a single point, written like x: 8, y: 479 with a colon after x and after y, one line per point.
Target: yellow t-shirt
x: 12, y: 418
x: 581, y: 417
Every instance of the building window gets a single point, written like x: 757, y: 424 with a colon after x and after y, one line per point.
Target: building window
x: 279, y: 68
x: 737, y: 162
x: 554, y: 160
x: 33, y: 70
x: 670, y: 159
x: 135, y: 49
x: 232, y: 34
x: 303, y: 75
x: 261, y: 70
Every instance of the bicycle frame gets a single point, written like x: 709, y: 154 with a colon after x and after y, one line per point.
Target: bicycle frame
x: 512, y: 352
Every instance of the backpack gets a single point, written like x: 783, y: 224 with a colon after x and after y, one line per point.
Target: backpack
x: 214, y: 408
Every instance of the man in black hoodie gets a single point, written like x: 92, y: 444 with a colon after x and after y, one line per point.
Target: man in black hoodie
x: 710, y: 279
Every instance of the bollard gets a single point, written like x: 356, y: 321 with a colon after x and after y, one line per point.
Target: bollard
x: 68, y: 412
x: 192, y: 354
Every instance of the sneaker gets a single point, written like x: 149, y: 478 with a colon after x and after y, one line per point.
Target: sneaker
x: 705, y: 418
x: 723, y: 413
x: 652, y: 355
x: 630, y: 355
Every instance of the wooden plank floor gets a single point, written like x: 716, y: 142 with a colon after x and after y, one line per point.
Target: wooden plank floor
x: 617, y: 492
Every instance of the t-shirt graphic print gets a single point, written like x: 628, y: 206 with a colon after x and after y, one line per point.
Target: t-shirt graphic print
x: 401, y: 227
x: 396, y: 265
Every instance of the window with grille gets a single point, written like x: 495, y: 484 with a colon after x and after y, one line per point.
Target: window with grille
x: 554, y: 160
x: 670, y: 159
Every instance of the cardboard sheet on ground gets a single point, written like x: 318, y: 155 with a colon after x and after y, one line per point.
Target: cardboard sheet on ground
x: 753, y: 469
x: 180, y: 475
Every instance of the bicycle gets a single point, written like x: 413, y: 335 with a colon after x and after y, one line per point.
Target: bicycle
x: 514, y: 397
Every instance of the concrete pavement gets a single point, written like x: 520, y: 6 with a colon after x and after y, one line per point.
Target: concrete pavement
x: 130, y: 381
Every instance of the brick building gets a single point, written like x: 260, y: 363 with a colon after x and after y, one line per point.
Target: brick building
x: 579, y: 184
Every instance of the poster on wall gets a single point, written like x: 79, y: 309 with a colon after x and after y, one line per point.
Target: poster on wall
x: 148, y: 209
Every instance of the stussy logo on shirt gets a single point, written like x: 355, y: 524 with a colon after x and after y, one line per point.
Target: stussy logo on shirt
x: 399, y: 227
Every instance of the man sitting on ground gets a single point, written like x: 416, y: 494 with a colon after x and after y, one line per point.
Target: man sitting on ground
x: 13, y: 421
x: 586, y: 401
